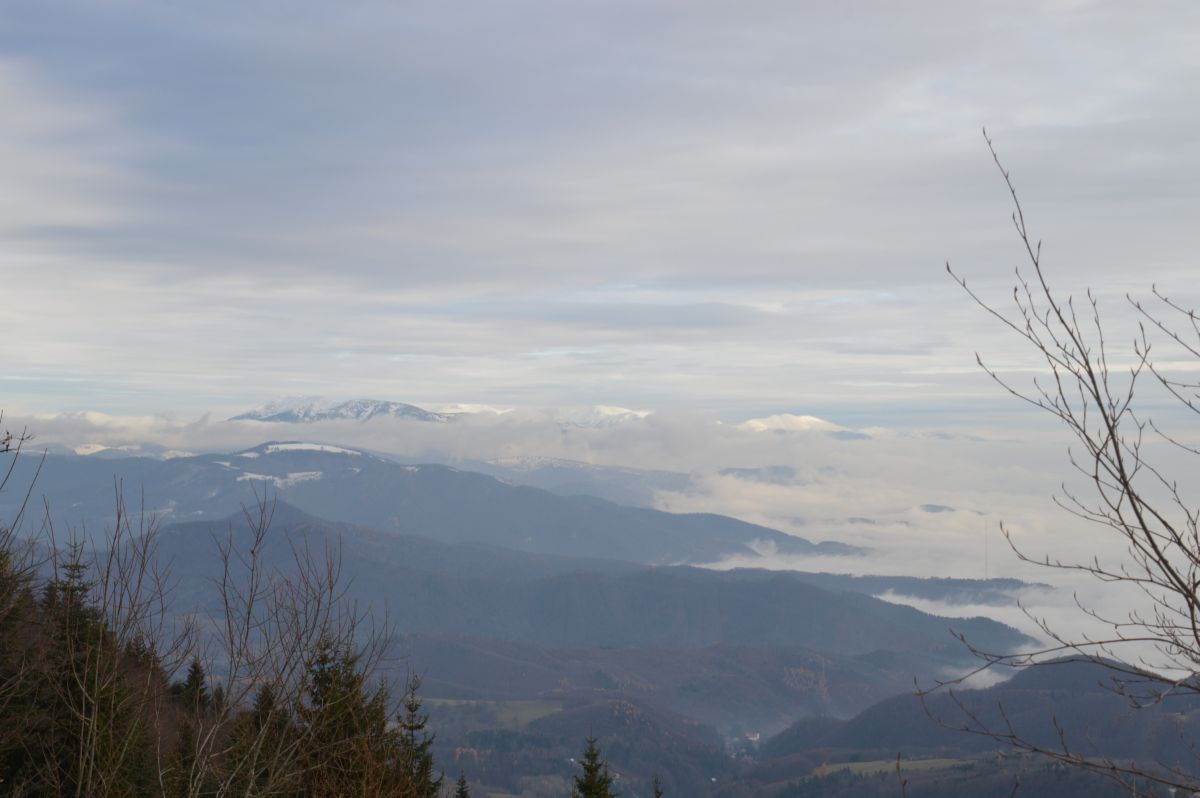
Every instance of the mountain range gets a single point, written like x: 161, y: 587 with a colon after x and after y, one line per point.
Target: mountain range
x: 695, y: 654
x: 1067, y: 703
x: 469, y: 588
x: 436, y: 501
x: 309, y: 409
x: 636, y: 487
x: 535, y: 615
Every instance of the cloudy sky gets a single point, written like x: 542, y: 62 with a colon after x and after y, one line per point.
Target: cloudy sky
x: 714, y: 211
x: 730, y: 208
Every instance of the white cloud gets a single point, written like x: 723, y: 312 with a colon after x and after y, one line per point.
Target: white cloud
x: 790, y: 422
x: 62, y: 157
x: 925, y: 503
x: 736, y: 210
x: 922, y: 502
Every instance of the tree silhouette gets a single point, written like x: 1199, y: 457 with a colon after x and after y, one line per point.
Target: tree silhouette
x: 1093, y: 391
x: 595, y: 781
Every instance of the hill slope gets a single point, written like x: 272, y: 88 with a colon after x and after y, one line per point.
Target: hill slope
x: 1068, y: 698
x: 430, y: 500
x: 480, y: 590
x: 754, y: 648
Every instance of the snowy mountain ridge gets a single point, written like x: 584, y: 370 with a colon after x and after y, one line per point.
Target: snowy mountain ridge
x: 309, y: 409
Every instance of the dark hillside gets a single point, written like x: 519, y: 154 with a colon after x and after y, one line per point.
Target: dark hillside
x: 434, y: 501
x: 577, y: 603
x: 1094, y: 721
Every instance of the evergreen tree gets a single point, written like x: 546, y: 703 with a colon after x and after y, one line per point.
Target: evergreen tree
x: 217, y: 698
x: 594, y: 782
x: 262, y: 751
x: 193, y: 691
x: 23, y: 718
x: 99, y: 732
x: 338, y: 720
x: 347, y: 745
x: 416, y: 755
x: 192, y: 694
x: 461, y: 789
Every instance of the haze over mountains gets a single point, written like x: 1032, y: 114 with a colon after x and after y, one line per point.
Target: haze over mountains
x: 1066, y: 702
x: 663, y: 460
x: 645, y: 657
x: 619, y: 368
x: 557, y: 591
x: 438, y: 501
x: 544, y: 596
x: 505, y: 594
x: 785, y: 471
x: 467, y: 589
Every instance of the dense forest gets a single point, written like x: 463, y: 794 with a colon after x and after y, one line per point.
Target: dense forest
x: 276, y: 684
x: 92, y: 702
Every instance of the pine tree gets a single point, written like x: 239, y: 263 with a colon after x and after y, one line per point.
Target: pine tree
x: 193, y: 691
x: 415, y: 744
x: 24, y: 719
x: 462, y: 790
x: 193, y: 697
x: 262, y: 751
x: 347, y: 745
x: 217, y: 698
x: 595, y: 782
x: 342, y: 725
x: 99, y: 731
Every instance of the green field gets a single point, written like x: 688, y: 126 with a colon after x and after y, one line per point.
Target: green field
x: 886, y: 765
x: 510, y: 715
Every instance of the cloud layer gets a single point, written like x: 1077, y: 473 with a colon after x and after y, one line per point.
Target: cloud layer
x: 741, y: 210
x: 925, y: 503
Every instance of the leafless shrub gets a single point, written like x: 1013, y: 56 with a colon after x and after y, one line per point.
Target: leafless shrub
x: 1147, y: 654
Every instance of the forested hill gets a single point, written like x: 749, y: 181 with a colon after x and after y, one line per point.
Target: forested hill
x: 477, y: 590
x: 1063, y: 703
x: 435, y: 501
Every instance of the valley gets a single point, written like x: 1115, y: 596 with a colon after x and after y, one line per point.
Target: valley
x: 536, y: 619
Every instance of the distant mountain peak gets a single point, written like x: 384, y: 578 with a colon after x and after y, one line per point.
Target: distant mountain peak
x: 790, y: 422
x: 598, y: 416
x: 276, y: 447
x: 309, y: 409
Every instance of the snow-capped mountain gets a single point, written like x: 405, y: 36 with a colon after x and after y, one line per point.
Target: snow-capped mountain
x: 598, y: 416
x: 307, y: 409
x: 354, y: 486
x: 790, y: 422
x: 102, y: 451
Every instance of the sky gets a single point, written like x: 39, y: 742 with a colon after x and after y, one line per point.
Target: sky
x: 732, y: 209
x: 714, y: 212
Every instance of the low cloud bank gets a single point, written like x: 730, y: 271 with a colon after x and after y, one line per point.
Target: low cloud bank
x: 925, y: 503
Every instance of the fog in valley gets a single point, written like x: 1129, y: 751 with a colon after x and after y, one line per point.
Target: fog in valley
x: 538, y: 399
